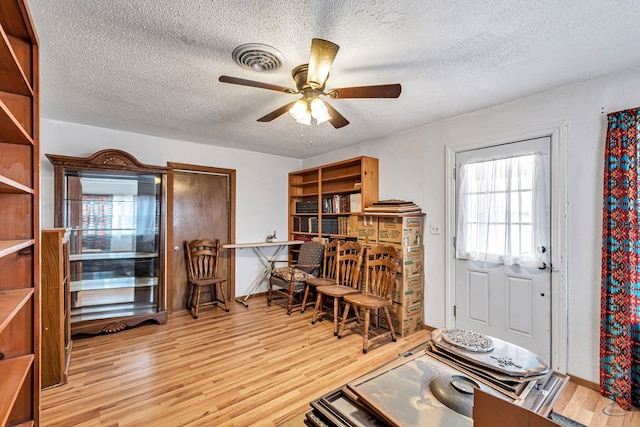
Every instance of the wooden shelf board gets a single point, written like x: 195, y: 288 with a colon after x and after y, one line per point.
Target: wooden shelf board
x: 10, y: 303
x: 86, y: 313
x: 345, y: 177
x: 12, y: 78
x: 112, y: 283
x: 10, y: 246
x: 10, y: 186
x: 10, y: 129
x: 101, y: 255
x: 14, y: 371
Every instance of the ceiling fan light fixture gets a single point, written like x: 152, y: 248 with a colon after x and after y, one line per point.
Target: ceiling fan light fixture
x: 319, y: 110
x: 300, y: 112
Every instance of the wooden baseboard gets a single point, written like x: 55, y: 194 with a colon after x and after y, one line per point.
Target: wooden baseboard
x: 428, y: 328
x: 584, y: 383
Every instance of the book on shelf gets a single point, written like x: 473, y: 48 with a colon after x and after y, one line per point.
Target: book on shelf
x: 337, y: 203
x: 307, y: 207
x: 355, y: 202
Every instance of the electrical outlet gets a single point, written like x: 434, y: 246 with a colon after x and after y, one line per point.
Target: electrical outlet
x: 435, y: 228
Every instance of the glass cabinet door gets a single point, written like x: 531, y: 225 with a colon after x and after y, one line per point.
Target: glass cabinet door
x: 114, y: 222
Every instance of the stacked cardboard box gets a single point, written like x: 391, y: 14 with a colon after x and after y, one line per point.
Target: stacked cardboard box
x: 404, y: 232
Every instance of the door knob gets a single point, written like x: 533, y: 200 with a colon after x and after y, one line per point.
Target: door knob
x: 176, y: 248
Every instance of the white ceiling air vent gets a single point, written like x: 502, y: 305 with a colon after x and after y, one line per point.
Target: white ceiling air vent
x: 258, y: 57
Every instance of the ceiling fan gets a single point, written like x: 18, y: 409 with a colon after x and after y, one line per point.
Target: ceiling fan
x: 310, y: 80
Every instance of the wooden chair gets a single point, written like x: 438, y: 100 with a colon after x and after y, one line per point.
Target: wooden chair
x: 289, y: 281
x: 349, y: 261
x: 202, y: 270
x: 381, y: 266
x: 328, y: 276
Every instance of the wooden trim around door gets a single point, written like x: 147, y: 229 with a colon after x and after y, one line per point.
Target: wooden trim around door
x: 231, y: 173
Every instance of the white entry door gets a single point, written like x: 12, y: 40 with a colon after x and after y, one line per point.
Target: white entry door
x: 502, y: 267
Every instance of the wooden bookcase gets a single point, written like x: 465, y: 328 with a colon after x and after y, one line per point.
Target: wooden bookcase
x: 324, y: 201
x: 56, y: 303
x: 19, y: 216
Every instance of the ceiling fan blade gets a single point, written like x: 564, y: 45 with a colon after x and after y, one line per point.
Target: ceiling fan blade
x: 261, y: 85
x: 276, y: 113
x: 336, y: 119
x: 323, y: 53
x: 378, y: 91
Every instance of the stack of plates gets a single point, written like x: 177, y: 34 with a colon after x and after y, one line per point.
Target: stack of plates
x: 503, y: 364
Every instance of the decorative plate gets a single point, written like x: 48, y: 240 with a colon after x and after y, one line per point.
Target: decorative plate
x: 505, y: 357
x: 468, y: 340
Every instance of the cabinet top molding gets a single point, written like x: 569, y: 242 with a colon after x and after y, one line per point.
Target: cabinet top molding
x: 109, y: 159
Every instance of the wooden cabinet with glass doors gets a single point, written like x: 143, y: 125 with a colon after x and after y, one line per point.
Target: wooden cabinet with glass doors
x: 114, y: 207
x: 324, y: 200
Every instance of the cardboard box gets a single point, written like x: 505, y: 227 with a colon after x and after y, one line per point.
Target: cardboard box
x: 401, y: 230
x: 404, y: 284
x: 406, y: 320
x: 410, y: 272
x: 367, y: 229
x: 412, y: 260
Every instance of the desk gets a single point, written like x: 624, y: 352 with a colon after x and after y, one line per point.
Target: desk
x: 257, y: 248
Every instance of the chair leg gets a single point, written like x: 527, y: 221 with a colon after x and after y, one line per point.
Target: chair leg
x: 365, y: 331
x: 387, y: 315
x: 197, y: 302
x: 314, y: 319
x: 270, y: 294
x: 345, y: 315
x: 336, y: 306
x: 224, y: 296
x: 290, y: 299
x: 214, y: 295
x: 192, y: 299
x: 304, y: 299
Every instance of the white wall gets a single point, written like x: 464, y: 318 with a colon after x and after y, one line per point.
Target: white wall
x: 261, y: 179
x: 412, y: 167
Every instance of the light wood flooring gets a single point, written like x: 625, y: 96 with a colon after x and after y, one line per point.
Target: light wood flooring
x: 251, y: 366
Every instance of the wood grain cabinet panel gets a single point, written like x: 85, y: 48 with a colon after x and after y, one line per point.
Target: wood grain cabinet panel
x: 56, y: 320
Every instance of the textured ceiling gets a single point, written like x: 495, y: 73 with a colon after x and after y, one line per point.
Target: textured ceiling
x: 152, y: 66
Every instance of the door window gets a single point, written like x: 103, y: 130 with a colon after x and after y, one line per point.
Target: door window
x: 502, y: 212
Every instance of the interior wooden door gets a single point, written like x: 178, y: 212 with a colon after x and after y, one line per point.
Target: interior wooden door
x: 201, y: 201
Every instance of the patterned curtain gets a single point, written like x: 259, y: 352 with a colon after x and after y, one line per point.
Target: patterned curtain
x: 620, y: 292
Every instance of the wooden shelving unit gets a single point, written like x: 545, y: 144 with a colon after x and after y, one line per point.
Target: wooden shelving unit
x: 20, y: 233
x: 324, y: 201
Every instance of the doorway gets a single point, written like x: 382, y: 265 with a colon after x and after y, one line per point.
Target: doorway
x: 519, y: 287
x: 201, y: 205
